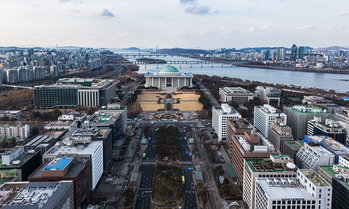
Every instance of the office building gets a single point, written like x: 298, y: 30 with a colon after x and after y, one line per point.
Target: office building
x: 43, y: 195
x: 116, y: 109
x: 310, y: 156
x: 219, y: 119
x: 26, y: 161
x: 264, y: 116
x: 168, y: 76
x: 83, y: 147
x: 74, y: 92
x: 299, y: 115
x: 315, y: 101
x: 328, y: 127
x: 329, y: 144
x: 294, y: 52
x: 235, y: 94
x: 269, y: 94
x: 279, y: 133
x: 45, y: 140
x: 267, y: 55
x: 281, y: 54
x: 61, y: 125
x: 291, y: 148
x: 248, y: 145
x: 273, y: 167
x: 67, y: 167
x: 301, y: 52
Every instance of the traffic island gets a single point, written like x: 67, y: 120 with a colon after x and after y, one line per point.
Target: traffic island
x: 167, y: 186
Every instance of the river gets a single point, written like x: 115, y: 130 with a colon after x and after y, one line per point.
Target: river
x: 305, y: 79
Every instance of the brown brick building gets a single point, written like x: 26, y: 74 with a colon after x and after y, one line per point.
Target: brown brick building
x: 67, y: 167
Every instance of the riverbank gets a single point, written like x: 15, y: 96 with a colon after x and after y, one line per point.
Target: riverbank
x: 277, y: 67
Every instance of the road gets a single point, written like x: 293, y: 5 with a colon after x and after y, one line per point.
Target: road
x: 147, y: 168
x: 209, y: 95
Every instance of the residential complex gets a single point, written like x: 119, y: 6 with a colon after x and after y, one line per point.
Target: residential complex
x: 299, y: 115
x: 17, y: 131
x: 219, y: 119
x: 264, y: 116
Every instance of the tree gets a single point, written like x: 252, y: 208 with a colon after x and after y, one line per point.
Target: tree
x: 34, y: 131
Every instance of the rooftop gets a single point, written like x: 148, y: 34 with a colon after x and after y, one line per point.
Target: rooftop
x: 45, y: 138
x: 235, y: 90
x: 314, y: 177
x: 278, y: 188
x: 329, y: 170
x: 68, y: 147
x: 303, y: 109
x: 58, y: 164
x: 38, y: 195
x: 329, y: 144
x: 21, y: 160
x: 265, y: 165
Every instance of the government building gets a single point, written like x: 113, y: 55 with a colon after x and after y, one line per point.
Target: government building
x: 168, y: 76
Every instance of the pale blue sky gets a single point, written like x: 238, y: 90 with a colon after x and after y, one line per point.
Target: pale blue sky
x: 174, y: 23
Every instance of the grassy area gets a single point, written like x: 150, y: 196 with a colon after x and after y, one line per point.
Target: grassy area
x: 167, y: 185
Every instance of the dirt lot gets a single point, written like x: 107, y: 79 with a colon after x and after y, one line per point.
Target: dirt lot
x: 188, y: 101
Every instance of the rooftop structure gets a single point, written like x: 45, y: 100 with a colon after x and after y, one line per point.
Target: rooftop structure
x: 61, y: 125
x: 115, y: 108
x: 45, y: 140
x: 299, y: 115
x: 73, y: 116
x: 310, y: 156
x: 236, y: 94
x: 329, y: 144
x: 168, y: 76
x: 45, y: 195
x: 264, y: 116
x: 269, y: 94
x: 219, y: 119
x: 328, y: 127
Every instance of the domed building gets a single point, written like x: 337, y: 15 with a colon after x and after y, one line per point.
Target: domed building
x: 168, y: 76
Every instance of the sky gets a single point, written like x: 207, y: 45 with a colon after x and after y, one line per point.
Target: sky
x: 205, y: 24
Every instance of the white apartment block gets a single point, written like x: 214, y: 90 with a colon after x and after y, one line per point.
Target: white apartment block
x: 17, y: 131
x: 311, y: 157
x: 343, y: 161
x: 219, y: 119
x: 264, y: 116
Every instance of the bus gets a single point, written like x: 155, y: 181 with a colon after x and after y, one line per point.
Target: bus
x: 156, y: 129
x: 183, y: 180
x: 143, y: 155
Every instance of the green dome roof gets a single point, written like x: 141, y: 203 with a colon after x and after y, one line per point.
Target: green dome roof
x: 169, y: 69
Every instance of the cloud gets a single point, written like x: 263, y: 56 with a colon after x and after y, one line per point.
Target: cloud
x: 343, y: 13
x: 198, y: 10
x: 304, y: 27
x: 187, y: 1
x: 72, y: 1
x: 36, y: 6
x: 103, y: 13
x: 72, y: 11
x: 261, y: 29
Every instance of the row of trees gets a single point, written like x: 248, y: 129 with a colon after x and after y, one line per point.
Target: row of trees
x: 204, y: 100
x: 167, y: 143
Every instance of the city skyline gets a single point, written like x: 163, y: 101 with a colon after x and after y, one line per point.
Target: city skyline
x: 174, y: 23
